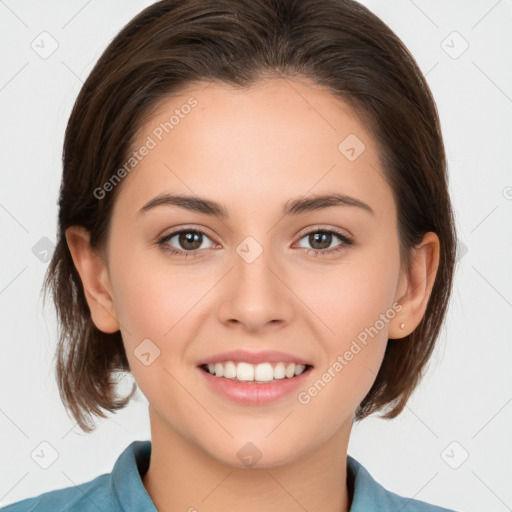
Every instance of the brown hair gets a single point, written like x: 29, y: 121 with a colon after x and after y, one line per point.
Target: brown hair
x: 173, y: 43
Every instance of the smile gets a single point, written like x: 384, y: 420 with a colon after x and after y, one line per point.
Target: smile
x: 259, y: 373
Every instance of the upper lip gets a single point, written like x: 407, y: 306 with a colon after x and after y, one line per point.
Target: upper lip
x: 263, y: 356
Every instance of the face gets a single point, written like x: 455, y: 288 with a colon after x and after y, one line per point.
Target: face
x: 317, y: 284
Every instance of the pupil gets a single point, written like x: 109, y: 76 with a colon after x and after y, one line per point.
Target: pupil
x: 317, y: 237
x: 190, y: 241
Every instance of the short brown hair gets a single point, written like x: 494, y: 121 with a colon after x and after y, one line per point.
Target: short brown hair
x: 173, y: 43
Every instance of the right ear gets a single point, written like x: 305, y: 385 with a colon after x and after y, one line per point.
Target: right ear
x: 95, y: 279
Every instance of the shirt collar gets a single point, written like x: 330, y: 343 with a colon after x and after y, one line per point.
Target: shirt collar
x: 126, y: 482
x: 368, y: 494
x: 127, y: 486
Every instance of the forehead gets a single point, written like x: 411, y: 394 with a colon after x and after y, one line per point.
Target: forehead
x: 256, y: 146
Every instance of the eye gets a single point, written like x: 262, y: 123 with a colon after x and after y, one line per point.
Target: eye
x: 321, y: 240
x: 189, y: 241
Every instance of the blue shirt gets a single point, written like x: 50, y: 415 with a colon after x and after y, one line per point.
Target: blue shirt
x: 123, y: 491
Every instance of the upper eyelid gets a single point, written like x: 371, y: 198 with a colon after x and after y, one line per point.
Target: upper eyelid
x: 187, y: 229
x: 314, y: 229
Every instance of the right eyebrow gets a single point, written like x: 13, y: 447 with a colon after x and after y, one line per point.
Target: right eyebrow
x: 193, y: 203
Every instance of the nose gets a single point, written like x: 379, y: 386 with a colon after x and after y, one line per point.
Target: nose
x: 256, y: 294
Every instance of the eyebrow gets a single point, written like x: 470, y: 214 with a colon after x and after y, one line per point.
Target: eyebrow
x: 291, y: 207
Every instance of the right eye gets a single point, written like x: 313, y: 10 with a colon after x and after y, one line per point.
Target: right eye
x: 189, y: 241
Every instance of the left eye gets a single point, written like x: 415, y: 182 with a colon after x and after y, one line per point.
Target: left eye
x: 321, y: 240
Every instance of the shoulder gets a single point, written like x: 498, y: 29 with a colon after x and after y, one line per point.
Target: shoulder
x: 397, y: 502
x: 369, y: 495
x: 89, y: 496
x: 120, y: 490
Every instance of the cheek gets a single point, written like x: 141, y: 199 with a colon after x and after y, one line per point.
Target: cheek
x: 158, y: 301
x: 351, y: 298
x: 357, y: 304
x: 152, y: 296
x: 354, y: 355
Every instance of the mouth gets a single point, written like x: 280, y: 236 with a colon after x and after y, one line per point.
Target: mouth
x: 261, y: 373
x: 254, y: 378
x: 254, y: 384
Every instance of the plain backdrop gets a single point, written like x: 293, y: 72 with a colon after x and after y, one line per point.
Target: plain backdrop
x: 452, y: 445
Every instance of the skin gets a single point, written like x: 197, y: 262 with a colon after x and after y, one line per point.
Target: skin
x: 253, y: 150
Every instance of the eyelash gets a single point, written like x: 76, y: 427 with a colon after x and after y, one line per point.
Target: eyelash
x: 346, y: 241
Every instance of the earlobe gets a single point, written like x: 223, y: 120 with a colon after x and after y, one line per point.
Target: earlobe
x: 95, y: 280
x: 418, y: 283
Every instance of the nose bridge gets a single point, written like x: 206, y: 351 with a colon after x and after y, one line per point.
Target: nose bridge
x: 254, y: 280
x: 255, y: 295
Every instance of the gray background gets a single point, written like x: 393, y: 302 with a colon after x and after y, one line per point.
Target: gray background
x: 452, y: 445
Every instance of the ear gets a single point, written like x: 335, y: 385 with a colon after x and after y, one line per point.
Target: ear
x: 415, y: 286
x: 95, y: 280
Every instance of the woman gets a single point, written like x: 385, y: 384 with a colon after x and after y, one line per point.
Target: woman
x: 255, y: 222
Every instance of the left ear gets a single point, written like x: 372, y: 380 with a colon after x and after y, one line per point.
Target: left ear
x: 415, y: 286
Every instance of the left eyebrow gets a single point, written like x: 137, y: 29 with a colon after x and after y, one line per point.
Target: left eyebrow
x: 321, y: 202
x: 295, y: 206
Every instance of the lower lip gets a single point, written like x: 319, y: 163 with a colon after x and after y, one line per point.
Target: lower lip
x: 252, y: 393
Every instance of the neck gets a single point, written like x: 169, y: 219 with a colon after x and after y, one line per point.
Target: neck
x: 182, y: 476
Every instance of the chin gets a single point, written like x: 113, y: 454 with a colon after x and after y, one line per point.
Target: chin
x: 257, y: 454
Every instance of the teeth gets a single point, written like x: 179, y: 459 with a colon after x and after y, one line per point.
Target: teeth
x: 244, y: 371
x: 219, y: 369
x: 230, y: 370
x: 290, y: 370
x: 263, y: 372
x: 299, y: 369
x: 279, y: 371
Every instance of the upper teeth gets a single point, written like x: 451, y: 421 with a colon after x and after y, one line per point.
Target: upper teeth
x: 263, y: 372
